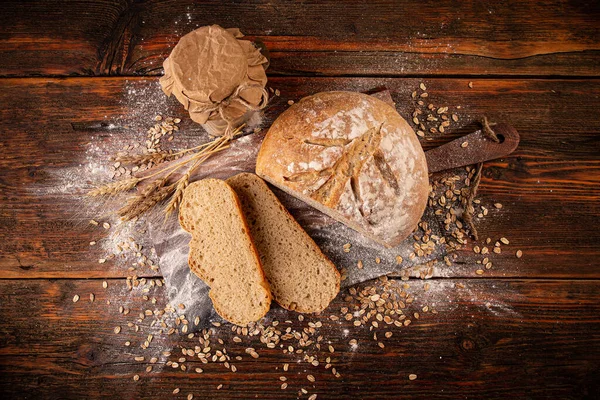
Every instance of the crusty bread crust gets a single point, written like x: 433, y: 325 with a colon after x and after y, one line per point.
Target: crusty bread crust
x: 352, y: 157
x: 244, y: 243
x: 291, y: 297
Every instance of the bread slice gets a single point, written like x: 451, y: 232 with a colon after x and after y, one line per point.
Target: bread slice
x: 222, y: 253
x: 301, y: 277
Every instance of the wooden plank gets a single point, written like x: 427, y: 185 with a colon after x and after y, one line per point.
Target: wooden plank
x: 408, y: 37
x: 492, y: 339
x: 407, y: 63
x: 550, y: 192
x: 61, y: 38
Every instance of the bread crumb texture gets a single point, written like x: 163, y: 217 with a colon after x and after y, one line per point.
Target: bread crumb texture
x: 222, y: 253
x: 301, y: 277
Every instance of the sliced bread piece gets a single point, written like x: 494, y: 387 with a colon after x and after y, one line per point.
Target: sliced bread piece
x: 301, y: 277
x: 222, y: 253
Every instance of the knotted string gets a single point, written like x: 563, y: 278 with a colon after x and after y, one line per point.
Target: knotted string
x: 220, y: 106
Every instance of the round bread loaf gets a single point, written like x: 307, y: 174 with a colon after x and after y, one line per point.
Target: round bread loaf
x: 353, y: 157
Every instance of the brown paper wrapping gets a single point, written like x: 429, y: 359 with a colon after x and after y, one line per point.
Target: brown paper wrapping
x: 219, y: 78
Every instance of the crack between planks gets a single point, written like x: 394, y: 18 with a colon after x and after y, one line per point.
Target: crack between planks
x: 326, y: 76
x: 438, y: 278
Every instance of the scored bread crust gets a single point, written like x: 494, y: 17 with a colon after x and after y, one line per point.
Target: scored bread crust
x: 353, y: 157
x: 194, y: 253
x: 274, y: 273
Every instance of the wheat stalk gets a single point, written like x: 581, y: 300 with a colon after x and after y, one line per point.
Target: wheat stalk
x: 114, y: 187
x: 126, y: 184
x: 157, y: 184
x: 155, y: 158
x: 214, y: 147
x: 177, y: 196
x: 156, y: 192
x: 139, y: 204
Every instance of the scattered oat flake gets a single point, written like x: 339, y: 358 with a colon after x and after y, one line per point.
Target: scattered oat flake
x: 422, y: 86
x: 176, y: 390
x: 92, y: 297
x: 464, y: 144
x: 471, y: 85
x: 290, y: 102
x: 102, y: 261
x: 313, y: 397
x: 106, y: 225
x: 136, y: 377
x: 117, y: 329
x: 310, y: 378
x: 220, y: 386
x: 190, y: 396
x: 104, y: 284
x: 412, y: 377
x: 519, y: 254
x: 504, y: 240
x: 75, y: 298
x: 498, y: 205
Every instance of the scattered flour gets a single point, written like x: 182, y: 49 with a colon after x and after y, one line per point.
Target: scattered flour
x: 142, y: 100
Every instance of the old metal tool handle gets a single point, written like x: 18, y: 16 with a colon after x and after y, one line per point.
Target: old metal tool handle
x: 473, y: 148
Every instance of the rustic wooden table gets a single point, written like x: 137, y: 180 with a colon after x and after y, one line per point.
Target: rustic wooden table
x: 527, y: 328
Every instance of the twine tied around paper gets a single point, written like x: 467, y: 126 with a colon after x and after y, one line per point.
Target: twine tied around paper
x: 220, y: 106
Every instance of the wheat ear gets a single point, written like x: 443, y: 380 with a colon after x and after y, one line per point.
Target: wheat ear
x: 139, y: 204
x: 156, y: 158
x: 114, y: 187
x: 183, y: 182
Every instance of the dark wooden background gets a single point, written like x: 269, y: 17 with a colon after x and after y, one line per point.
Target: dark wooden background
x: 64, y: 65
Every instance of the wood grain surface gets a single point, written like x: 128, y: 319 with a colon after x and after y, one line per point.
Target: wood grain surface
x: 531, y: 338
x: 105, y: 37
x: 549, y: 187
x: 78, y: 81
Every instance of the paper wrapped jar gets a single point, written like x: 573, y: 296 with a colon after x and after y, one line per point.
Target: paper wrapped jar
x: 218, y: 78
